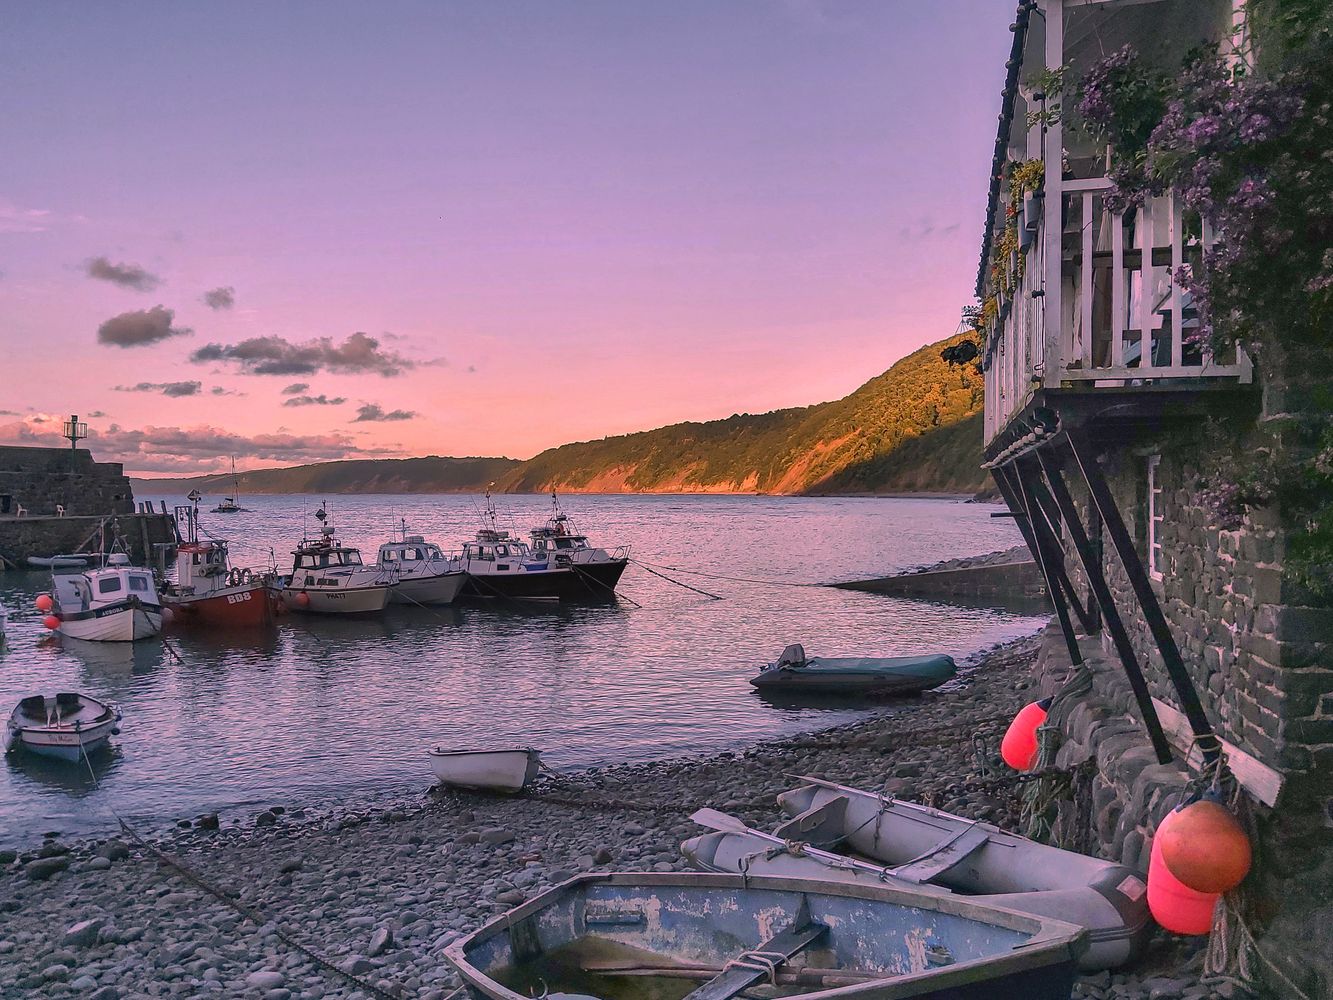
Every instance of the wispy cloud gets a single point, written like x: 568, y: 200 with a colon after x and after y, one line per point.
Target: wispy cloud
x: 140, y: 327
x: 124, y: 275
x: 14, y: 219
x: 372, y: 411
x: 358, y: 354
x: 296, y: 388
x: 320, y: 400
x: 222, y: 297
x: 165, y: 388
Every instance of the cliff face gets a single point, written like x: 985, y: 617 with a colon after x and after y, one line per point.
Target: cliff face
x: 916, y: 428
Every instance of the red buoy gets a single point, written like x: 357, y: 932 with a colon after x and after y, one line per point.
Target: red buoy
x: 44, y: 602
x: 303, y: 599
x: 1206, y: 848
x: 51, y: 622
x: 1019, y: 746
x: 1173, y: 904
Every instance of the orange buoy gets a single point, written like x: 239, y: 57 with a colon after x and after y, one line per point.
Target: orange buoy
x: 1206, y: 848
x: 303, y: 599
x: 51, y: 622
x: 44, y: 602
x: 1019, y: 746
x: 1173, y: 904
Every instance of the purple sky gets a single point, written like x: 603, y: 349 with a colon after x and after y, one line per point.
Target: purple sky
x: 558, y: 220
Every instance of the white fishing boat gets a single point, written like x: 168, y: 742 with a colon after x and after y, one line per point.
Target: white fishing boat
x: 68, y: 726
x: 329, y: 578
x: 419, y: 572
x: 506, y: 769
x: 115, y: 602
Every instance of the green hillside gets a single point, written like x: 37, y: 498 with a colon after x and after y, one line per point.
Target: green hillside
x: 367, y: 475
x: 916, y: 428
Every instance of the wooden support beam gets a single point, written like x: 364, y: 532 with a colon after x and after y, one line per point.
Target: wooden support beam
x: 1100, y: 492
x: 1252, y: 774
x: 1007, y: 479
x: 1048, y: 529
x: 1106, y: 603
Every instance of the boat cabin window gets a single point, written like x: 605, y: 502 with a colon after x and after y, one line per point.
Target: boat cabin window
x: 138, y: 582
x: 389, y: 555
x: 480, y: 552
x: 347, y: 557
x: 412, y: 555
x: 502, y: 550
x: 108, y: 585
x: 433, y: 552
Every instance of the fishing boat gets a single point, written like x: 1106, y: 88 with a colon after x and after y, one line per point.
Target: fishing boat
x: 418, y: 571
x: 862, y: 675
x: 559, y: 542
x: 499, y: 770
x: 713, y: 937
x: 208, y: 589
x: 68, y: 726
x: 231, y: 504
x: 329, y: 578
x: 114, y: 602
x: 875, y: 840
x: 501, y: 566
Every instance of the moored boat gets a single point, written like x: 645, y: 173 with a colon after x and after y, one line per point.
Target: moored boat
x: 115, y: 602
x: 616, y: 936
x: 329, y: 578
x: 559, y: 566
x: 67, y: 726
x: 230, y: 504
x: 501, y: 770
x: 935, y: 852
x: 419, y: 572
x: 208, y: 590
x: 864, y: 675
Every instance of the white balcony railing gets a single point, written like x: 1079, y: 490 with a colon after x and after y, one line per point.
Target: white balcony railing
x: 1118, y: 317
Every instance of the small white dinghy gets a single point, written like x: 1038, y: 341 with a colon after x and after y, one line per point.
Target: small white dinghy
x: 501, y: 770
x: 68, y: 727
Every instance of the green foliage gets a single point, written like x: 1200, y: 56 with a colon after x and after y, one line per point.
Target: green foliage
x: 370, y: 475
x: 847, y: 445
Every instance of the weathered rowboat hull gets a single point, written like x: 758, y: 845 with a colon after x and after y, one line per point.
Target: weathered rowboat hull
x: 877, y: 943
x: 83, y: 730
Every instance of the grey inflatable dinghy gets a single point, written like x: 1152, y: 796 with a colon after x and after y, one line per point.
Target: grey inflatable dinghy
x: 936, y: 852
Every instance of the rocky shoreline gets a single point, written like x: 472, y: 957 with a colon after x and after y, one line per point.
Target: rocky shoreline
x: 379, y: 892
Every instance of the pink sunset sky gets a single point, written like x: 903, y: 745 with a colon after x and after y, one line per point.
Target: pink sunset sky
x: 303, y: 231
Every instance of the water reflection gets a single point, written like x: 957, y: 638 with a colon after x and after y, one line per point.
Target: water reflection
x: 327, y: 708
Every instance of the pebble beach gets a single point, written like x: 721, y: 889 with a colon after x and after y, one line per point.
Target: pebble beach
x: 376, y: 892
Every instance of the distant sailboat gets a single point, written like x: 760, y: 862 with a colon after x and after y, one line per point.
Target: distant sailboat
x: 229, y: 504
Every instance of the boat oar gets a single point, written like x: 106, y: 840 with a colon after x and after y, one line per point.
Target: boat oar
x: 720, y: 821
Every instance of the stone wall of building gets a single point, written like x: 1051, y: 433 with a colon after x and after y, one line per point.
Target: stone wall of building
x: 39, y: 479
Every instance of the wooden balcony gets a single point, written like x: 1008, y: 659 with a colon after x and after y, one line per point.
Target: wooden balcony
x: 1111, y: 316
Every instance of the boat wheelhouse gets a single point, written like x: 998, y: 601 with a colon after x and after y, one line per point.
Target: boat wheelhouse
x: 330, y: 578
x: 419, y: 571
x: 115, y: 602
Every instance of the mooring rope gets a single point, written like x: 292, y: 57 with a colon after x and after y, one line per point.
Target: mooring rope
x: 732, y: 579
x: 647, y: 568
x: 249, y: 912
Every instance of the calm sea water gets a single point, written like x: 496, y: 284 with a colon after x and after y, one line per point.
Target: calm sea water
x: 325, y: 710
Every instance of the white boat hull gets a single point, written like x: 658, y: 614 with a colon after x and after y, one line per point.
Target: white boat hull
x: 496, y: 770
x: 441, y: 589
x: 71, y: 737
x: 120, y: 625
x: 342, y: 601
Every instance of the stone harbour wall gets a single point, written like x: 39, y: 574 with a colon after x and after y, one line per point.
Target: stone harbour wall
x: 39, y: 479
